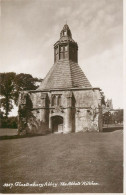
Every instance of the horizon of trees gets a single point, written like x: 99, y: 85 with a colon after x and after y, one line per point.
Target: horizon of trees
x: 113, y: 117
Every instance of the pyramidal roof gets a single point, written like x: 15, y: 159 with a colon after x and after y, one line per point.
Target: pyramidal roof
x: 65, y: 74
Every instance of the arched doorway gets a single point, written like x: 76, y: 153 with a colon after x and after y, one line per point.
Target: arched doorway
x: 57, y: 124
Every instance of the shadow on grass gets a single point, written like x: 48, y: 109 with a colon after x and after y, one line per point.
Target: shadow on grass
x: 111, y: 129
x: 5, y: 137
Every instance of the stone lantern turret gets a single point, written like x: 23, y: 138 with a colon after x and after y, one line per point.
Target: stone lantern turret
x: 66, y: 48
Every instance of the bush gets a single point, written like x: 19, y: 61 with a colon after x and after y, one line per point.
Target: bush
x: 10, y: 122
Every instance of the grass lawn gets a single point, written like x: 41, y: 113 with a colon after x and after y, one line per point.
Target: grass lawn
x: 55, y: 158
x: 8, y: 132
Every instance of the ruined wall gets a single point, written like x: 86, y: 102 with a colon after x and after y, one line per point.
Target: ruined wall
x: 88, y: 116
x: 80, y: 109
x: 33, y: 113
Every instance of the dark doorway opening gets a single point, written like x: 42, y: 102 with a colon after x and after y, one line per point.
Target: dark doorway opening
x: 57, y: 124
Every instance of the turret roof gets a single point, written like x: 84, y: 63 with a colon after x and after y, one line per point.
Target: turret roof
x: 65, y: 74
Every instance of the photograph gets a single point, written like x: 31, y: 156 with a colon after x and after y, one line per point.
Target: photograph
x: 61, y: 96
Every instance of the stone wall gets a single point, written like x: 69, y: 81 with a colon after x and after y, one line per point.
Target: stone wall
x: 88, y: 116
x: 80, y: 110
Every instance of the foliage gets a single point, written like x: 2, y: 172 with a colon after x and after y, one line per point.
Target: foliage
x: 119, y: 116
x: 1, y: 114
x: 24, y: 82
x: 10, y: 85
x: 7, y: 90
x: 25, y: 113
x: 113, y: 117
x: 107, y: 118
x: 10, y: 122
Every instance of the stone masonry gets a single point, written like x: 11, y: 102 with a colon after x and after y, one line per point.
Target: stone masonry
x: 65, y: 101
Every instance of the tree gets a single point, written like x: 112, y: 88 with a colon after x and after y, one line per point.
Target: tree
x: 10, y: 85
x: 1, y: 117
x: 7, y: 90
x: 107, y: 117
x: 119, y: 116
x: 24, y: 82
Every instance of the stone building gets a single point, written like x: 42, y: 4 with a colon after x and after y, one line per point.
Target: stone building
x: 109, y: 104
x: 65, y: 101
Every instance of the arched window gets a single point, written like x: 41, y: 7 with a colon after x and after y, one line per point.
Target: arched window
x: 59, y: 100
x: 64, y: 52
x: 61, y: 52
x: 54, y: 100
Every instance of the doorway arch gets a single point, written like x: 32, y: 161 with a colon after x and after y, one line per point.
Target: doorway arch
x: 57, y: 124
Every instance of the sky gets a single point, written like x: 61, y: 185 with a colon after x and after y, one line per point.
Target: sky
x: 29, y: 29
